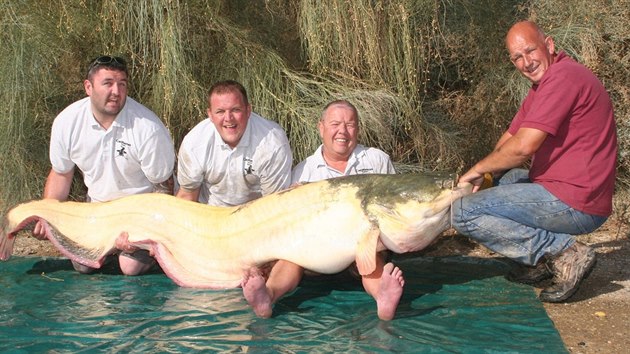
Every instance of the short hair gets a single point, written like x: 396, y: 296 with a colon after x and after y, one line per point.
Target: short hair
x: 228, y: 86
x: 106, y: 61
x: 344, y: 103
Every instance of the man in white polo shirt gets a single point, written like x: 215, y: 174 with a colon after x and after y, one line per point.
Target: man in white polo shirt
x: 235, y: 155
x: 120, y: 146
x: 339, y: 155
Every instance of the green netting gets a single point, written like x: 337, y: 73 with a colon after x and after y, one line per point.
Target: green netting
x: 451, y: 304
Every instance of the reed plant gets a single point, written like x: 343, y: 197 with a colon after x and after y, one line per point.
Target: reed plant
x: 431, y: 79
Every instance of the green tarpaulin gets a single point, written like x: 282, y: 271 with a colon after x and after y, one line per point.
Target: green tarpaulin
x: 450, y: 304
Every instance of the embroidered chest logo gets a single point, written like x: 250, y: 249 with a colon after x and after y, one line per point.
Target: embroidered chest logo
x: 248, y: 172
x: 247, y: 166
x: 121, y: 148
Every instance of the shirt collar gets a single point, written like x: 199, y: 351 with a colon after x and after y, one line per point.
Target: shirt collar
x: 352, y: 159
x: 245, y: 139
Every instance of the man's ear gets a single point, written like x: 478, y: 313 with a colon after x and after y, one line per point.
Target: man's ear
x: 551, y: 46
x: 249, y: 109
x: 87, y: 85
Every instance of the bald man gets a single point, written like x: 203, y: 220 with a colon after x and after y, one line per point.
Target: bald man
x: 339, y: 155
x: 565, y: 129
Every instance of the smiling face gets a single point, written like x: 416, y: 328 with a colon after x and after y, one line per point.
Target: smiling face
x: 229, y: 113
x: 530, y: 51
x: 107, y: 89
x: 338, y: 128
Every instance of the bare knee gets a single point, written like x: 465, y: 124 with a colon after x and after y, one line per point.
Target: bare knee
x: 136, y: 263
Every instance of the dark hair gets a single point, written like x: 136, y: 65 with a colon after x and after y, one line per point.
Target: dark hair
x: 228, y: 86
x: 106, y: 61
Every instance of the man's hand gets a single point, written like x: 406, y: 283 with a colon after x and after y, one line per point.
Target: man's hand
x: 39, y: 231
x: 473, y: 177
x: 122, y: 243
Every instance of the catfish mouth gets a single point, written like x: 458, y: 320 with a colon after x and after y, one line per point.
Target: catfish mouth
x: 451, y: 181
x: 446, y: 181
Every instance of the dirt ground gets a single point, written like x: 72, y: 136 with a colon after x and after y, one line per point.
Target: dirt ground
x: 595, y: 320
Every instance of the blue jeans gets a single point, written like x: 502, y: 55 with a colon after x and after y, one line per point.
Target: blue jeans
x: 521, y: 220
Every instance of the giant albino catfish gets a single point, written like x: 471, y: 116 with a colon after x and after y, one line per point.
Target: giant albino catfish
x: 322, y: 226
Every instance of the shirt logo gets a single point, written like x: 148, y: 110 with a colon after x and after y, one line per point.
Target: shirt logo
x: 248, y: 173
x: 121, y: 150
x: 247, y: 166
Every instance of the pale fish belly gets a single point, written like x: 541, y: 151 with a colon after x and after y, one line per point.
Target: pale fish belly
x: 322, y: 226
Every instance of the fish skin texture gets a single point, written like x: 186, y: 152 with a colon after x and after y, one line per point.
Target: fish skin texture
x: 322, y: 226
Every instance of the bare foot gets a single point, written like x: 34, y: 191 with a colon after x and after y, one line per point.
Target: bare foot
x: 256, y: 294
x: 389, y: 292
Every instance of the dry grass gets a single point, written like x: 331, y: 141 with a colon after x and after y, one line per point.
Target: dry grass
x: 430, y: 78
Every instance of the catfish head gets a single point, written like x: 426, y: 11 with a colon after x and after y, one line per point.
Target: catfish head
x: 410, y: 210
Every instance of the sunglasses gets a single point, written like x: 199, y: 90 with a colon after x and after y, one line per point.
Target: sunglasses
x: 108, y: 61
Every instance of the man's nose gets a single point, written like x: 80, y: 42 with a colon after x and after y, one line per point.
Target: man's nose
x: 116, y: 89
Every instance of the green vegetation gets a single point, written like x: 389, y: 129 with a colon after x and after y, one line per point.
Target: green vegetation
x: 431, y: 79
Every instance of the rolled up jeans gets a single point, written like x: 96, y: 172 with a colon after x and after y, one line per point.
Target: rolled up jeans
x: 521, y: 220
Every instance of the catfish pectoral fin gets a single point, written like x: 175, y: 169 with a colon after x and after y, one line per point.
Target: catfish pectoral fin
x: 366, y: 251
x: 6, y: 245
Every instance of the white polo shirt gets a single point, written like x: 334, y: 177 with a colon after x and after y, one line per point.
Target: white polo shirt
x: 362, y: 161
x: 259, y: 165
x: 128, y: 158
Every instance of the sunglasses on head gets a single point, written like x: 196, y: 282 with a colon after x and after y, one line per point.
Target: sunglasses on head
x: 109, y: 61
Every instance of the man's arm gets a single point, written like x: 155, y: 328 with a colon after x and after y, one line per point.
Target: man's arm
x: 57, y: 187
x: 277, y: 176
x: 165, y: 187
x: 511, y: 151
x: 188, y: 194
x: 505, y: 137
